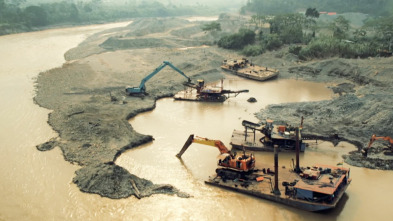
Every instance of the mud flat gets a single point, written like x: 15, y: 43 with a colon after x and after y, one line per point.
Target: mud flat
x: 90, y: 108
x: 360, y: 109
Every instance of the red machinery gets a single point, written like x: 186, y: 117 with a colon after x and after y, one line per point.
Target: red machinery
x: 374, y: 138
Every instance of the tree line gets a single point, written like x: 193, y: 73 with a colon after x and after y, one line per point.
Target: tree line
x: 308, y: 38
x: 17, y: 18
x: 274, y: 7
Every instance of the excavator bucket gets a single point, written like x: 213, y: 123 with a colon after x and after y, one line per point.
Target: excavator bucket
x: 186, y: 145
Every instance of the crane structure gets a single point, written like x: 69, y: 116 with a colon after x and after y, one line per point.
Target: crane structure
x: 141, y: 90
x: 206, y: 93
x: 374, y: 138
x: 232, y: 166
x: 266, y: 135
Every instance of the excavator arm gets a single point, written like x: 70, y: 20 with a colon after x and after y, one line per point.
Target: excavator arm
x: 215, y: 143
x: 232, y: 165
x: 176, y: 69
x: 148, y: 77
x: 374, y: 138
x: 142, y: 88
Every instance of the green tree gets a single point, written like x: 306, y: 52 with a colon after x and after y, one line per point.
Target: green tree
x: 61, y: 12
x: 340, y: 27
x: 2, y: 9
x: 312, y: 12
x: 238, y: 40
x: 253, y: 50
x: 254, y: 20
x: 35, y: 16
x: 359, y: 35
x: 288, y: 27
x: 213, y: 26
x: 273, y: 42
x: 384, y: 30
x: 311, y: 15
x: 10, y: 13
x: 258, y: 20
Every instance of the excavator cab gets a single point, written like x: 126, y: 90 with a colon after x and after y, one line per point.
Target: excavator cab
x: 241, y: 164
x: 388, y: 151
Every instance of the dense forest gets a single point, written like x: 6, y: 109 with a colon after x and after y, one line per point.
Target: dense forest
x: 273, y: 24
x: 22, y: 15
x: 309, y: 33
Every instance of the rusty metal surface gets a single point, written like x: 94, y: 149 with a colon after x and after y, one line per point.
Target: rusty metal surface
x: 325, y: 183
x: 243, y: 68
x: 264, y: 189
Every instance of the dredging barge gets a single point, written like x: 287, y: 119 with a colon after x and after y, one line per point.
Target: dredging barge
x: 263, y: 136
x: 206, y: 93
x: 242, y: 67
x: 315, y: 188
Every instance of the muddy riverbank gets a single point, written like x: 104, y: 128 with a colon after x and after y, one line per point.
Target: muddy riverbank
x: 362, y: 106
x: 90, y: 108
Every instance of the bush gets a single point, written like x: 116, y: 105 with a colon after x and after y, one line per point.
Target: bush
x: 329, y: 47
x: 238, y: 40
x: 294, y: 49
x: 291, y: 34
x: 320, y: 48
x: 253, y: 50
x: 273, y: 42
x: 230, y: 42
x: 35, y: 16
x: 213, y: 26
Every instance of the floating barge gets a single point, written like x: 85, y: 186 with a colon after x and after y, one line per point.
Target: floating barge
x: 263, y: 137
x: 205, y: 93
x: 314, y: 189
x: 244, y: 68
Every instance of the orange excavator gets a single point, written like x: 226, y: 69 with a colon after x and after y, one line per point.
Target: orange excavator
x: 374, y: 138
x: 232, y: 166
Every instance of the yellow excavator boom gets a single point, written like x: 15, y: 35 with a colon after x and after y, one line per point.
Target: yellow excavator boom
x: 215, y: 143
x: 243, y: 163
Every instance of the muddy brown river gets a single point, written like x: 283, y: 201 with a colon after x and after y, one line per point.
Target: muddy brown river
x: 38, y: 185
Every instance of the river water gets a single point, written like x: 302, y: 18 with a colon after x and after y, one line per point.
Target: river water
x: 38, y: 185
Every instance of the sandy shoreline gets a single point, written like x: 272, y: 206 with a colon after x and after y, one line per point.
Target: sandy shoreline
x: 90, y: 108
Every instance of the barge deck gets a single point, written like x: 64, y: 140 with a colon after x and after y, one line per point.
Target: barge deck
x: 263, y: 137
x: 314, y: 189
x: 242, y: 67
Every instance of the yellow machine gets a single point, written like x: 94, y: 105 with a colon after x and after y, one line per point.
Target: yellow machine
x: 231, y: 166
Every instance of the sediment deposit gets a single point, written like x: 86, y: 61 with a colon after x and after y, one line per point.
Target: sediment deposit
x: 91, y: 109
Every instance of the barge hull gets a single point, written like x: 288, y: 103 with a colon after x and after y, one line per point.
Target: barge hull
x: 307, y: 206
x: 252, y: 77
x: 253, y: 142
x: 243, y: 68
x: 299, y: 190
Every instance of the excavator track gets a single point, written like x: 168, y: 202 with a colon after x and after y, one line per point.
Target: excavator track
x: 227, y: 174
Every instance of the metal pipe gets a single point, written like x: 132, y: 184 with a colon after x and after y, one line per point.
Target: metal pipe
x: 297, y: 168
x: 245, y: 134
x: 276, y: 191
